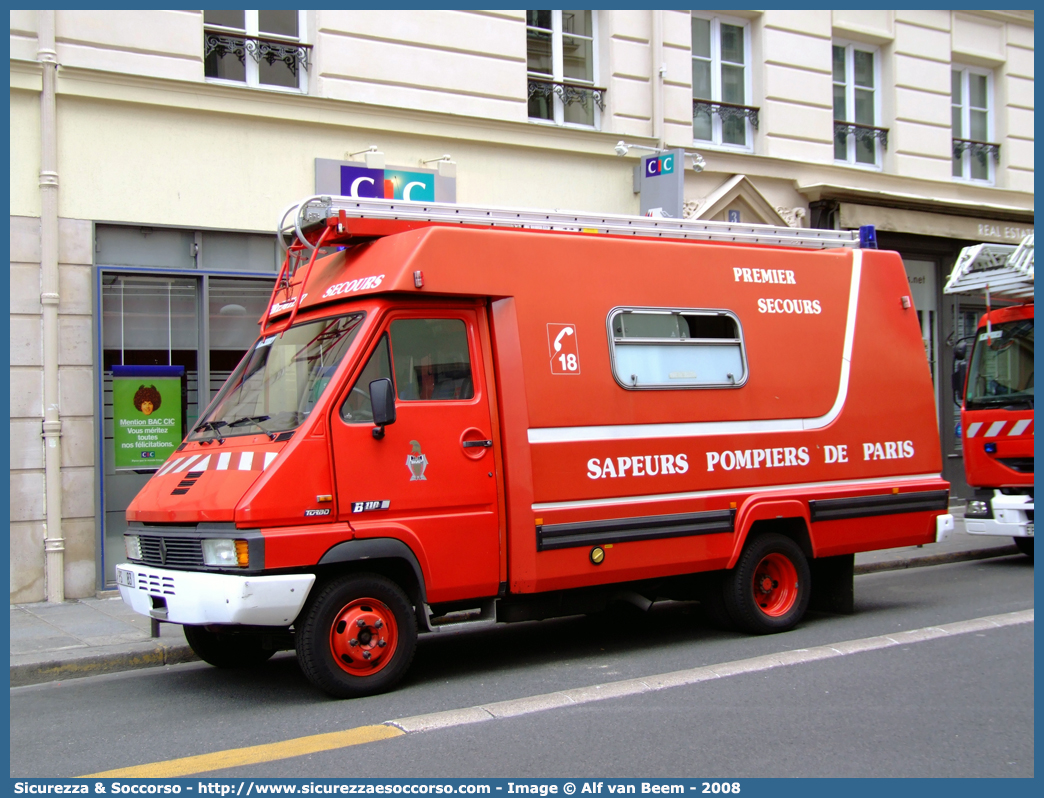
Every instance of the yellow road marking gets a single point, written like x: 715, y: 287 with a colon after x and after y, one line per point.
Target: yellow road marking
x: 234, y: 757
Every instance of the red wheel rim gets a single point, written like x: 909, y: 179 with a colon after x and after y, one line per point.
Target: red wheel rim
x: 363, y: 637
x: 775, y: 585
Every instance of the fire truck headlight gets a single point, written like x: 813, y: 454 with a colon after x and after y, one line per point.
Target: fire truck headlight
x: 976, y: 509
x: 133, y: 545
x: 222, y: 552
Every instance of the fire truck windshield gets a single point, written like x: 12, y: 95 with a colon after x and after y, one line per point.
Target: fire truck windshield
x: 279, y: 381
x: 1001, y: 371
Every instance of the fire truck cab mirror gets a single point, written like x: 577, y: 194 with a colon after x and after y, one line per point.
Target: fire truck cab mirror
x: 960, y: 372
x: 382, y: 400
x: 960, y: 350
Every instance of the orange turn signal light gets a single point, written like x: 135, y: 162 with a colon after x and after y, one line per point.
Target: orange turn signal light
x: 242, y: 554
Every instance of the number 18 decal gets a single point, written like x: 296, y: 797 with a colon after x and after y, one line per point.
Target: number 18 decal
x: 561, y: 342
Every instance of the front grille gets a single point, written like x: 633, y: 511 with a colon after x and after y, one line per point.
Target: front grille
x: 180, y: 546
x: 183, y: 552
x: 151, y: 583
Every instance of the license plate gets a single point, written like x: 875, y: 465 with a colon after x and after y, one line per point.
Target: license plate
x: 125, y: 578
x: 1029, y: 529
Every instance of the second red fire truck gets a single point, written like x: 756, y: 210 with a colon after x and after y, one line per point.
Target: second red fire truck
x: 995, y: 388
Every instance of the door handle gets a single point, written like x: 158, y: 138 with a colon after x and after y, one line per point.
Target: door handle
x: 478, y: 444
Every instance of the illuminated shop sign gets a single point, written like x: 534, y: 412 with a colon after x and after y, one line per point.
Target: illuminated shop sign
x: 352, y: 179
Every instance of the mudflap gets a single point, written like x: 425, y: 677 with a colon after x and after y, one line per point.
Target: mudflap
x: 833, y: 584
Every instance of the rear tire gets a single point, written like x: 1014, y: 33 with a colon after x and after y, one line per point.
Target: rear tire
x: 357, y: 636
x: 227, y: 650
x: 769, y: 589
x: 1025, y: 546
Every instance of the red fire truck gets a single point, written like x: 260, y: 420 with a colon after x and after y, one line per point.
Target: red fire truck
x: 995, y: 390
x: 457, y: 416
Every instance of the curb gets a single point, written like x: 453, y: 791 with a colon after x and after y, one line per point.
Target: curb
x: 55, y: 670
x: 936, y: 559
x: 97, y: 664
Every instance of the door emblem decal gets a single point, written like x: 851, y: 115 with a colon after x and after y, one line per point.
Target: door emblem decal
x: 416, y: 462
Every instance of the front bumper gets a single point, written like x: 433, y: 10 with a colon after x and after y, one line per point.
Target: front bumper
x: 195, y: 598
x: 1012, y: 517
x: 943, y: 527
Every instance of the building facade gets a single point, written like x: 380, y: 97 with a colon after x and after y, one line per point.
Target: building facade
x: 152, y: 153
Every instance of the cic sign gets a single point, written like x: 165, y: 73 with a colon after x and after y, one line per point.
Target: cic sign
x: 660, y: 180
x: 353, y: 179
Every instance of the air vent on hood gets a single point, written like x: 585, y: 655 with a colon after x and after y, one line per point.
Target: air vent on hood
x: 186, y: 483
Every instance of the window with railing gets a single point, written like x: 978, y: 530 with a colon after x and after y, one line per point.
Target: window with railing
x: 721, y: 83
x: 974, y: 155
x: 561, y: 57
x: 857, y: 137
x: 257, y: 48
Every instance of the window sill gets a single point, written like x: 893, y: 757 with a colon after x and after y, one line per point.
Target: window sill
x: 710, y: 146
x: 259, y: 87
x: 567, y: 125
x: 971, y: 181
x: 866, y: 167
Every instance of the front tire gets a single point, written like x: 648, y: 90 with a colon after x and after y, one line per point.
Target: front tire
x: 357, y: 636
x: 1025, y: 546
x: 769, y: 589
x: 226, y: 650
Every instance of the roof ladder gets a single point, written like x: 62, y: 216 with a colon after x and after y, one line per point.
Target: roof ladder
x: 320, y: 208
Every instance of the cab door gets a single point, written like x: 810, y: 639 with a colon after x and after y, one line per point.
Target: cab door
x: 430, y: 480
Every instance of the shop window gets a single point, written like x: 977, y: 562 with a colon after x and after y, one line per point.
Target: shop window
x: 234, y: 306
x: 258, y: 48
x: 561, y: 58
x: 857, y: 137
x: 974, y: 155
x: 662, y: 348
x: 146, y: 322
x: 721, y: 83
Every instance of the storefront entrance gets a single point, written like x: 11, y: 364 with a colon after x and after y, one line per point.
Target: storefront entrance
x: 178, y: 310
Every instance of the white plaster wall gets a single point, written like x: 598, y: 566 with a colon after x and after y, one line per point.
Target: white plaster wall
x: 452, y: 62
x: 76, y: 408
x: 797, y: 110
x: 470, y: 66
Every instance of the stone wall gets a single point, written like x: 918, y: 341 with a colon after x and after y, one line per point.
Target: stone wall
x: 76, y: 408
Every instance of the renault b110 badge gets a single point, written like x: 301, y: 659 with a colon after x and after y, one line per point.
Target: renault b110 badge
x: 416, y: 462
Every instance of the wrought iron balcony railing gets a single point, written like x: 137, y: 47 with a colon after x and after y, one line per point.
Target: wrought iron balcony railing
x: 568, y: 93
x: 862, y: 133
x: 725, y: 111
x: 980, y: 149
x: 293, y: 54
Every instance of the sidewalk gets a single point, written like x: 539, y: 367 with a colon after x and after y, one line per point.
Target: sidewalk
x: 86, y: 637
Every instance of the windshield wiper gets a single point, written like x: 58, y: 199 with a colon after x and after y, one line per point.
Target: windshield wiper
x: 252, y: 420
x: 248, y: 420
x: 1011, y: 402
x: 212, y: 426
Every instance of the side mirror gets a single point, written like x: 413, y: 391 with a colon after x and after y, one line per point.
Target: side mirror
x: 960, y: 373
x: 382, y: 400
x: 960, y: 350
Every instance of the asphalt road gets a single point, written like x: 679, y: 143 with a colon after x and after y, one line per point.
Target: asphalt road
x: 959, y: 706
